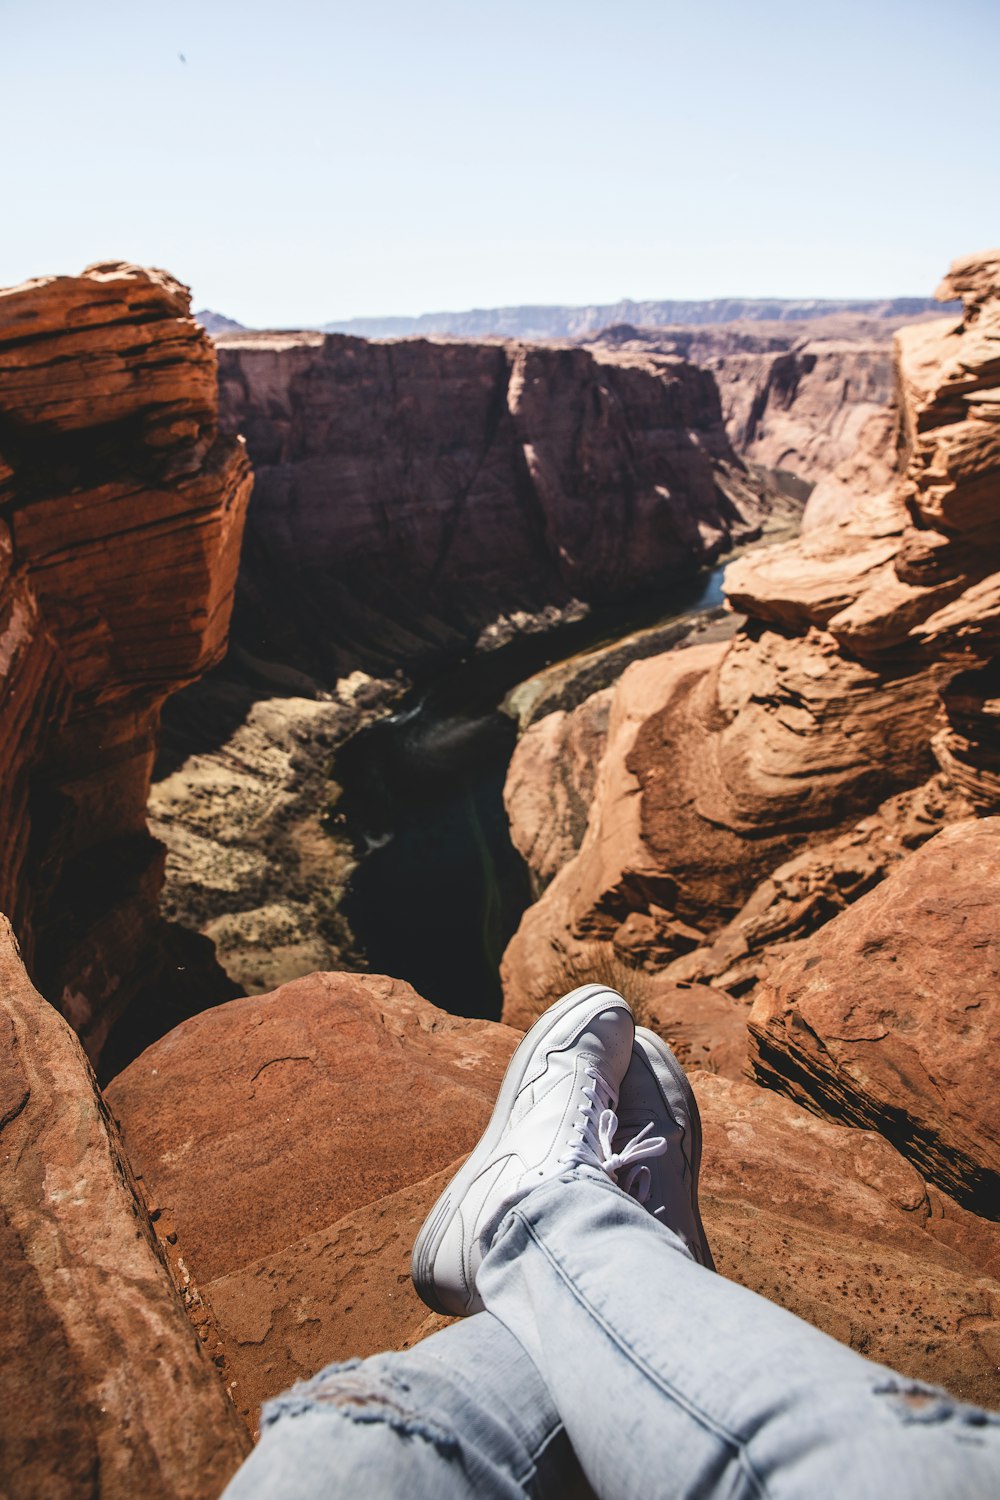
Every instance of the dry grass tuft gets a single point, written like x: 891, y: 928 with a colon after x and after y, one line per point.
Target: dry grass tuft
x: 597, y: 963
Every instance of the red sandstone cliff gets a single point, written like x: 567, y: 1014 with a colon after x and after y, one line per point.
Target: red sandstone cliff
x: 121, y: 514
x: 407, y: 494
x: 750, y: 791
x: 811, y: 402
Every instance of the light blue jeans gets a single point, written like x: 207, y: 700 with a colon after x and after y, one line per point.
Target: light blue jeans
x: 607, y: 1356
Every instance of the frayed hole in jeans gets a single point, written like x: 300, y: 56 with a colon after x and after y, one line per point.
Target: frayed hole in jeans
x: 923, y: 1404
x: 363, y: 1397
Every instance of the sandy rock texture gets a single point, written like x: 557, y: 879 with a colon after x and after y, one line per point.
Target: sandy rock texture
x: 887, y: 1016
x: 122, y: 515
x: 408, y: 494
x: 293, y: 1144
x: 832, y: 1223
x: 723, y: 763
x: 550, y: 784
x: 105, y: 1389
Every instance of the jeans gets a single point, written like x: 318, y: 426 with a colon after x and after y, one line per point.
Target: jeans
x: 607, y: 1357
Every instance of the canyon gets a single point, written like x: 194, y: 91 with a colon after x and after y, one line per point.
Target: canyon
x: 812, y: 402
x: 415, y: 504
x: 416, y: 498
x: 777, y: 829
x: 408, y: 495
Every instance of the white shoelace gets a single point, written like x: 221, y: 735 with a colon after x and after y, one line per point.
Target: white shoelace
x: 595, y: 1132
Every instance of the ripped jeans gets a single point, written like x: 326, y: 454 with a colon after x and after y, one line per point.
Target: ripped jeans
x: 608, y: 1358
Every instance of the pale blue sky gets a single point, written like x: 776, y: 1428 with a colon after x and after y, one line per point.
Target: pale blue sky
x: 312, y: 161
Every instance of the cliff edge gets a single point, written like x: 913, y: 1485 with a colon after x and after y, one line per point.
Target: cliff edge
x: 121, y: 516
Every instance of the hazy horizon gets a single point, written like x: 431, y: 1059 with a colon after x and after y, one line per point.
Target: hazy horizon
x: 317, y: 164
x: 431, y: 314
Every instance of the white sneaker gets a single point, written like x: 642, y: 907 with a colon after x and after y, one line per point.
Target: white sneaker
x: 555, y: 1110
x: 656, y: 1096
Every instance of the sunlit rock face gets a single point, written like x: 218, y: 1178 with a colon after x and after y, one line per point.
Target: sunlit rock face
x: 407, y: 494
x: 98, y: 1356
x: 122, y: 515
x: 304, y: 1255
x: 725, y: 763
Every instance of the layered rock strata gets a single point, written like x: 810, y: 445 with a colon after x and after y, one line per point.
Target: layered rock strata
x: 300, y: 1246
x: 724, y: 762
x: 812, y: 402
x: 408, y: 494
x: 121, y: 514
x: 105, y: 1390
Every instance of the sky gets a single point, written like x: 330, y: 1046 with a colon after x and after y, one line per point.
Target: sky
x: 297, y: 162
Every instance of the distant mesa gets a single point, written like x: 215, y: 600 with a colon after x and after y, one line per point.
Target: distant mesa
x: 214, y: 322
x: 621, y: 321
x: 572, y: 322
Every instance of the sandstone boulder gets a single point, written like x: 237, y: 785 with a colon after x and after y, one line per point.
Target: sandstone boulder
x: 836, y: 1226
x: 720, y: 761
x: 105, y: 1389
x: 889, y: 1015
x: 283, y: 1140
x: 814, y: 885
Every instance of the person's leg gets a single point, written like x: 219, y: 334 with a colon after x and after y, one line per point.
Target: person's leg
x: 672, y: 1381
x: 464, y: 1414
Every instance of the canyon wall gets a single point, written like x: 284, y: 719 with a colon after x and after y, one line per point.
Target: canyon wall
x: 406, y: 495
x: 751, y: 791
x: 811, y: 402
x: 794, y: 832
x: 121, y: 515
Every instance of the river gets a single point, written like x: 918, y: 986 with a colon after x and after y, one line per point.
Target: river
x: 439, y: 888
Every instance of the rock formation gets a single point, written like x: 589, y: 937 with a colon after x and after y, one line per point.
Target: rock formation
x: 550, y: 784
x: 888, y: 1016
x: 810, y: 403
x: 122, y: 513
x: 724, y: 762
x: 105, y: 1391
x: 300, y: 1246
x: 292, y: 1143
x: 406, y: 495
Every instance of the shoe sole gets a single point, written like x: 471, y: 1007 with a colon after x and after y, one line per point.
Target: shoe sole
x: 441, y: 1216
x: 681, y: 1101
